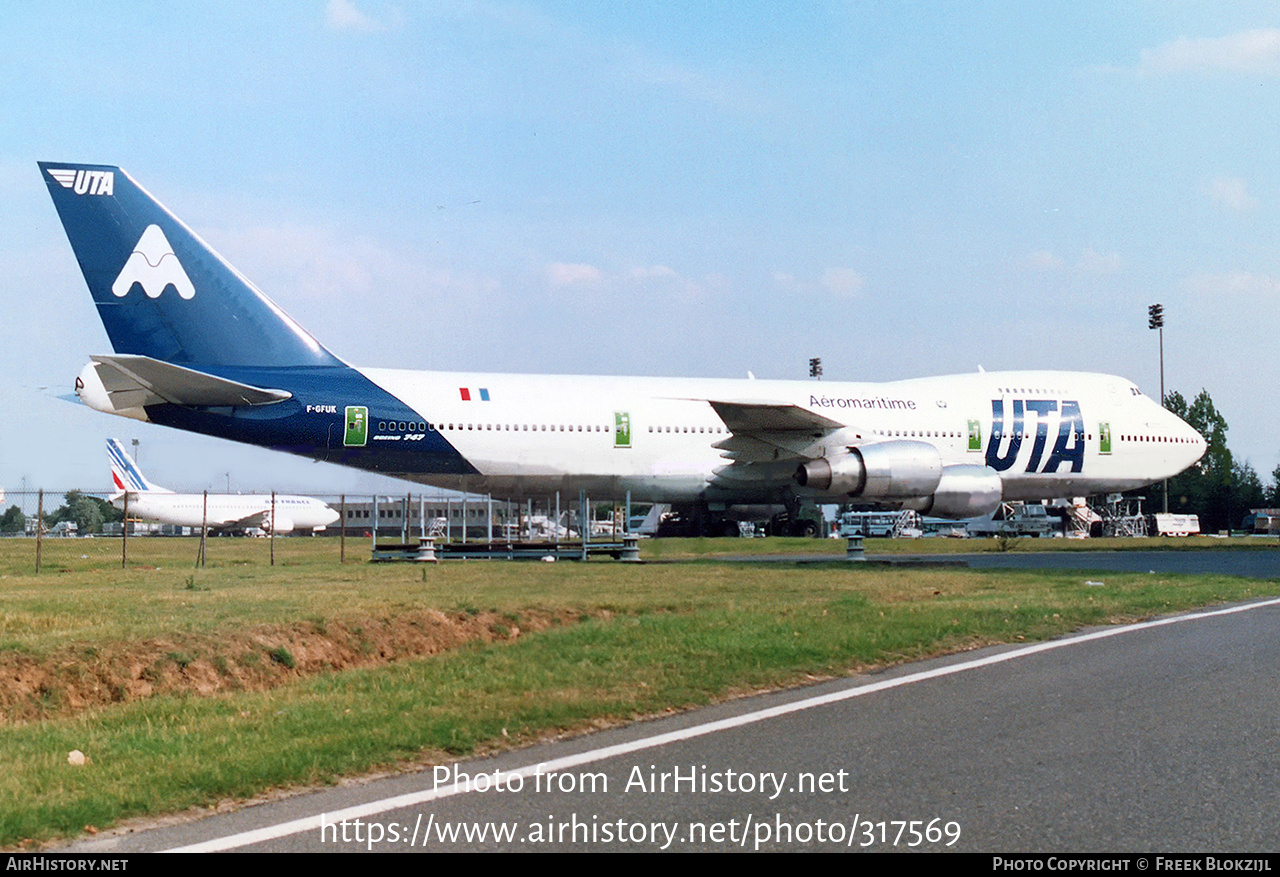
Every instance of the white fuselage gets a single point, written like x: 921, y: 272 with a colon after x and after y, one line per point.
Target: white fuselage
x: 198, y: 347
x: 534, y: 434
x: 239, y: 511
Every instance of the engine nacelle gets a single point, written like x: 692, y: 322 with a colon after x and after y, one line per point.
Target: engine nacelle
x: 92, y: 392
x: 845, y: 474
x: 965, y: 491
x: 887, y: 470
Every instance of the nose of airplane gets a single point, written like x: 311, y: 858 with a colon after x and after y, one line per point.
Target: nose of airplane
x: 1186, y: 437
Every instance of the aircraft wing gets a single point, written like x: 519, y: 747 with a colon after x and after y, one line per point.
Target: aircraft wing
x: 261, y: 519
x: 749, y: 417
x: 768, y: 438
x: 135, y: 381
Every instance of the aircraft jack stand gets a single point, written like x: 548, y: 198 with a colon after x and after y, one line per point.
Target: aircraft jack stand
x: 854, y: 550
x: 630, y: 548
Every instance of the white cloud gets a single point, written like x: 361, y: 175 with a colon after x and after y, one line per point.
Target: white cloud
x: 343, y: 15
x: 650, y: 272
x: 1093, y: 262
x: 842, y: 282
x: 1235, y: 284
x: 560, y: 274
x: 297, y: 261
x: 1043, y: 260
x: 1250, y: 51
x: 649, y: 282
x: 358, y: 294
x: 1231, y: 193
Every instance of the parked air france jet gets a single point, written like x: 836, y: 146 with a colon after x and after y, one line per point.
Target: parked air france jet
x: 198, y: 347
x: 222, y: 511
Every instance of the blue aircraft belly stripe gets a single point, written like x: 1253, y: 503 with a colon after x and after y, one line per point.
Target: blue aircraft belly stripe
x: 318, y: 432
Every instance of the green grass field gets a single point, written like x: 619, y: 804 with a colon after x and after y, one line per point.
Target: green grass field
x: 679, y: 549
x: 631, y: 641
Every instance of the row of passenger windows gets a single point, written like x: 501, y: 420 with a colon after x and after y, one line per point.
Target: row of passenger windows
x: 1023, y: 391
x: 686, y: 429
x: 396, y: 512
x: 925, y: 433
x: 410, y: 426
x: 1157, y: 438
x: 418, y: 426
x: 917, y: 433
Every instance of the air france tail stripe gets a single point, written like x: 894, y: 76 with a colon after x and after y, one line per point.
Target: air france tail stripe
x: 123, y: 464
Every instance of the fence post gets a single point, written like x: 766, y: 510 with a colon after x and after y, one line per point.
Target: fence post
x: 204, y: 527
x: 39, y: 526
x: 124, y: 534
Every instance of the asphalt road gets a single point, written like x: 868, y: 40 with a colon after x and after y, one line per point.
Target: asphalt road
x: 1154, y: 737
x: 1254, y: 563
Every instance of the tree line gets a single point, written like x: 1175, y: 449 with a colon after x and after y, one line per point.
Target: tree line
x: 88, y: 513
x: 1219, y: 489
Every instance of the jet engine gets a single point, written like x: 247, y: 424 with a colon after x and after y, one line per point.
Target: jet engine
x: 280, y: 525
x: 965, y: 491
x: 887, y: 470
x: 908, y: 474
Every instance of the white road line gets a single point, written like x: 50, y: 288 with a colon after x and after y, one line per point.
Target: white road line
x: 313, y: 823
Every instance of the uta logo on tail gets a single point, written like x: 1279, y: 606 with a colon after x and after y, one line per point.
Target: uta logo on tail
x: 153, y: 265
x: 84, y: 182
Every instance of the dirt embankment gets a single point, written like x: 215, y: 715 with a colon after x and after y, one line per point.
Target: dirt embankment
x: 83, y: 677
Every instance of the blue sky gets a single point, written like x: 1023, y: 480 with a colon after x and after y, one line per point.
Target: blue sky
x: 660, y: 188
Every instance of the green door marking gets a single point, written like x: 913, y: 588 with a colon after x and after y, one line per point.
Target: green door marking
x: 1104, y: 438
x: 975, y: 435
x: 622, y: 430
x: 357, y: 432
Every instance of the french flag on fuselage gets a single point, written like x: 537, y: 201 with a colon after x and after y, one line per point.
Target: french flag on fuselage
x: 465, y: 392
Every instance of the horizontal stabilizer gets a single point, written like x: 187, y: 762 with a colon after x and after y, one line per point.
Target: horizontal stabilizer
x: 137, y: 381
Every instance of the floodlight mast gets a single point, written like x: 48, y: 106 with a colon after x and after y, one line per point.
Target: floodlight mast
x: 1155, y: 320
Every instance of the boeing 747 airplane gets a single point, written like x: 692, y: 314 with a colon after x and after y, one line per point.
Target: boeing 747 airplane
x: 198, y: 347
x: 220, y: 511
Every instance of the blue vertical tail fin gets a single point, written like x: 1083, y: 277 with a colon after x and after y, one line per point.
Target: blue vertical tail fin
x: 160, y: 290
